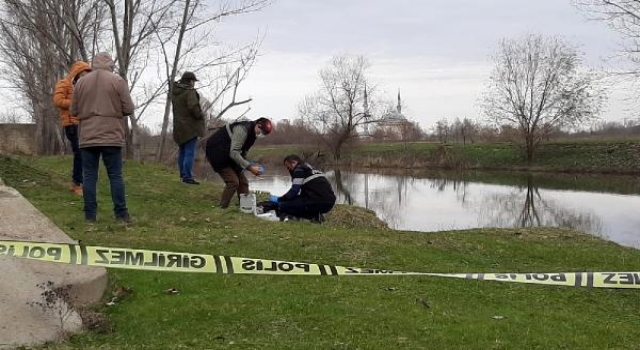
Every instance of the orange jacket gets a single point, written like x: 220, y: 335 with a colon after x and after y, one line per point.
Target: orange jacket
x: 64, y: 92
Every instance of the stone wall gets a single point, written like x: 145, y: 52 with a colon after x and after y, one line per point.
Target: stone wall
x: 18, y: 138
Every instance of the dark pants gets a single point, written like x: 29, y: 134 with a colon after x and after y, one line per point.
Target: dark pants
x: 71, y: 132
x: 235, y: 182
x: 186, y: 156
x: 112, y: 159
x: 301, y: 208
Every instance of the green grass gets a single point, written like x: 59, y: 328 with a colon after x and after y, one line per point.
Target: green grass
x: 576, y: 156
x: 388, y: 312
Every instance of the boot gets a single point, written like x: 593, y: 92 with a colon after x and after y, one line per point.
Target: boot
x: 77, y: 190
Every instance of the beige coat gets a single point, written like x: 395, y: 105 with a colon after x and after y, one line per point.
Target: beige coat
x: 101, y: 100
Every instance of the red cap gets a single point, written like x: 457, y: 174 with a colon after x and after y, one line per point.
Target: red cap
x: 265, y: 125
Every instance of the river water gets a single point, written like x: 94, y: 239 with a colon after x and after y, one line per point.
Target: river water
x: 600, y: 205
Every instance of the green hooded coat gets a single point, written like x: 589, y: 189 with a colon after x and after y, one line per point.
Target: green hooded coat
x: 188, y: 119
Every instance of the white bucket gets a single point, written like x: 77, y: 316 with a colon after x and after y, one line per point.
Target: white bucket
x: 248, y: 203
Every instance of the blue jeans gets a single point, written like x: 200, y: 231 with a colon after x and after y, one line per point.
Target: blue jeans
x: 71, y: 132
x: 112, y: 159
x: 185, y: 158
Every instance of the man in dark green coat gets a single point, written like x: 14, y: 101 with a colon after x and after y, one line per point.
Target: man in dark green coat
x: 188, y: 123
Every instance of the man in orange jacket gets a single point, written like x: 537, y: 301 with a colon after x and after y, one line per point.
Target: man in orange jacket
x: 62, y: 99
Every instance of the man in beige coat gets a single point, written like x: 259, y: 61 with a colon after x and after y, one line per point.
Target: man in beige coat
x: 102, y: 101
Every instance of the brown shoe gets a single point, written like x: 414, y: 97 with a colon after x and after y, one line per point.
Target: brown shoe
x: 77, y: 190
x: 125, y: 219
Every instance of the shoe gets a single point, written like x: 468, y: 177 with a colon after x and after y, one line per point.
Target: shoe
x: 77, y: 190
x: 91, y: 220
x: 125, y: 219
x: 287, y: 217
x: 318, y: 219
x: 190, y: 181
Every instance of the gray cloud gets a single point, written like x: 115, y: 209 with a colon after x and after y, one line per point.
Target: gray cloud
x: 437, y: 52
x: 453, y: 29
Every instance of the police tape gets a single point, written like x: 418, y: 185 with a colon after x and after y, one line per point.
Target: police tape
x: 154, y: 260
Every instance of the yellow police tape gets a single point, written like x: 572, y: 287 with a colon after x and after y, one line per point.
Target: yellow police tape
x: 139, y: 259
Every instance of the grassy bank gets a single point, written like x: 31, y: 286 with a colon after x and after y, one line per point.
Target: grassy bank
x: 257, y: 312
x: 615, y: 157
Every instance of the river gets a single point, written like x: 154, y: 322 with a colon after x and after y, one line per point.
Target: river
x: 603, y: 206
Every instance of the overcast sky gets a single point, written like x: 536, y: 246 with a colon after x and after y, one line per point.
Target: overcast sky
x: 436, y: 52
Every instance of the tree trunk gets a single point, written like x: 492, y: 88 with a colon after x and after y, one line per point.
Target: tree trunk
x: 48, y: 138
x: 165, y: 126
x: 171, y: 78
x: 134, y: 139
x: 530, y: 148
x: 336, y: 154
x: 128, y: 146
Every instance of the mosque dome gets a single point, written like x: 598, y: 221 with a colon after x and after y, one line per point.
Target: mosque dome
x: 394, y: 117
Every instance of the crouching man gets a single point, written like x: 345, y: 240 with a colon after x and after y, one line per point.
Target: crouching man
x: 310, y: 195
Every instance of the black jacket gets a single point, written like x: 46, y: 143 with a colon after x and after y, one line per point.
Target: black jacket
x: 219, y: 145
x: 310, y: 185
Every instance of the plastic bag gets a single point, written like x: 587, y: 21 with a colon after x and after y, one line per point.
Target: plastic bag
x: 269, y: 216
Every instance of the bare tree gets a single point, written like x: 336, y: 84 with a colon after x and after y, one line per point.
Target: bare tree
x: 537, y: 84
x: 343, y: 104
x: 463, y: 130
x: 10, y: 117
x: 224, y: 70
x: 468, y: 130
x: 442, y: 130
x: 133, y: 26
x: 295, y: 132
x: 38, y: 41
x: 624, y: 17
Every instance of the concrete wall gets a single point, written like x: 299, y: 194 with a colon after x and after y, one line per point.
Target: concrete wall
x: 18, y: 138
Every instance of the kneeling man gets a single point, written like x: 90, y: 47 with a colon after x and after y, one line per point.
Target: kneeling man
x: 310, y: 195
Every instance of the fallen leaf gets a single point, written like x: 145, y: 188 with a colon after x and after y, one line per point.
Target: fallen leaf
x: 172, y: 291
x: 219, y: 338
x: 122, y: 292
x: 423, y: 302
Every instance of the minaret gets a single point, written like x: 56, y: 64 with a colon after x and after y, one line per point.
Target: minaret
x: 399, y: 105
x: 365, y: 106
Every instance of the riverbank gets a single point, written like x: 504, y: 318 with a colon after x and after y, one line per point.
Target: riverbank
x: 382, y: 312
x: 593, y: 156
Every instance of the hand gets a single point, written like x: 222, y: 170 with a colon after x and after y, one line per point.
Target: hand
x: 273, y: 198
x: 254, y: 169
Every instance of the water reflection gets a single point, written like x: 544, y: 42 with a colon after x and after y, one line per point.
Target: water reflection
x: 525, y: 207
x: 447, y: 201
